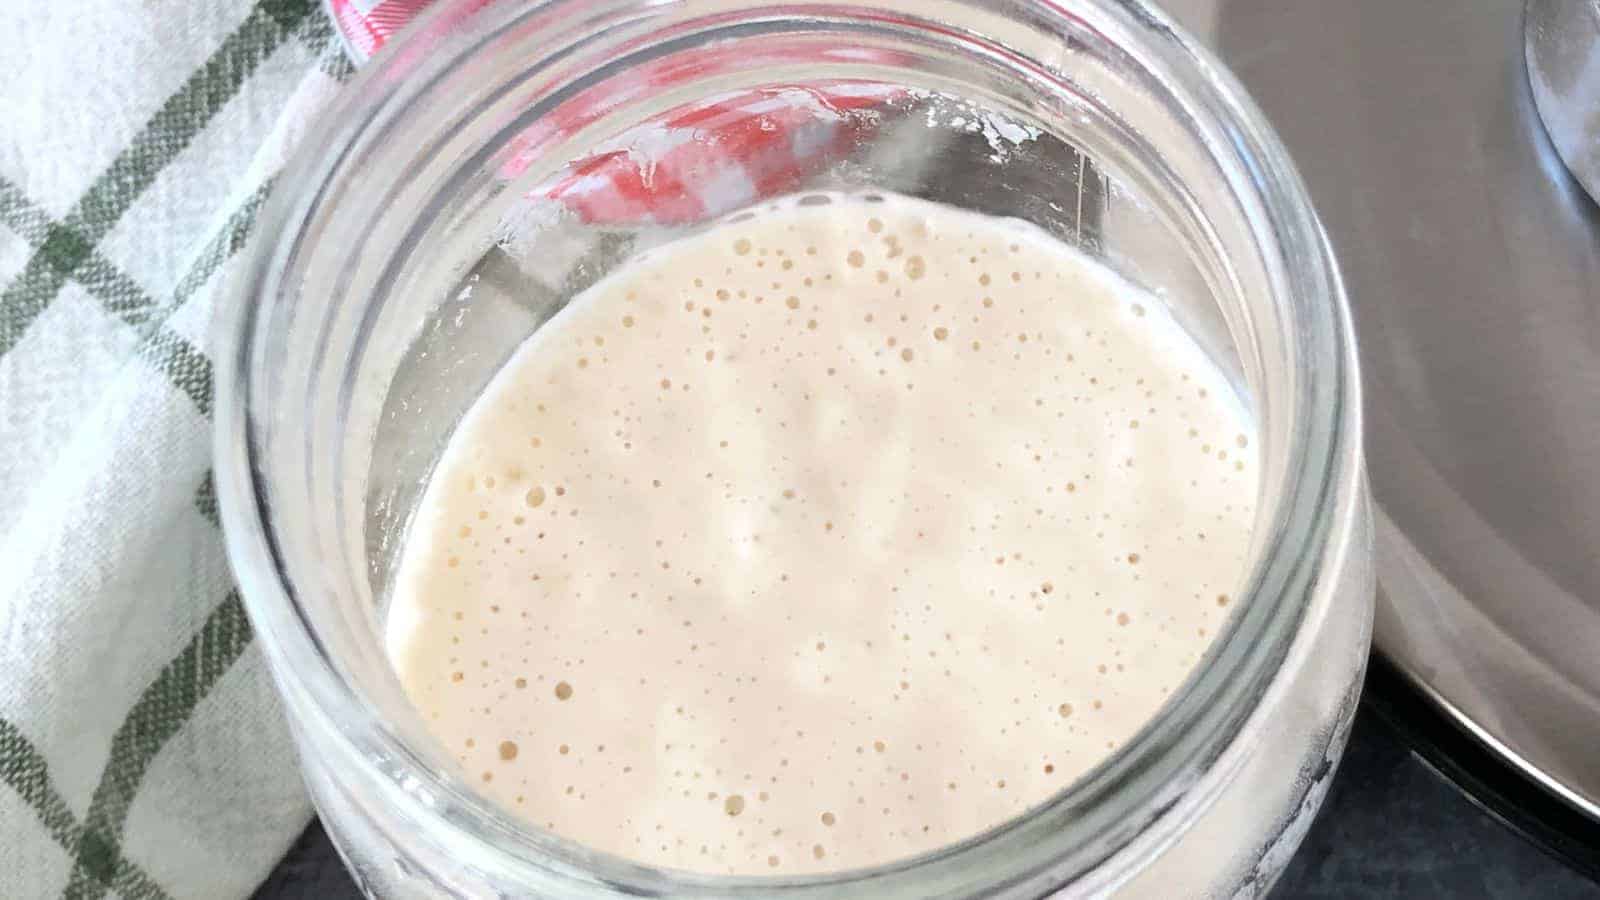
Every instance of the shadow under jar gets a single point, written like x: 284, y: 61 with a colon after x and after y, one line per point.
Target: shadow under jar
x: 434, y: 220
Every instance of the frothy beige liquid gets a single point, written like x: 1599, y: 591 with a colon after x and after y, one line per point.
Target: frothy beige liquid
x: 821, y: 539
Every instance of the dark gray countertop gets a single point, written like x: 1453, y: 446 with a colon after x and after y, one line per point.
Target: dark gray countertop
x: 1392, y: 827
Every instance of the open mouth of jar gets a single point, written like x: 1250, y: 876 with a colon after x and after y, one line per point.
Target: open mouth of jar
x: 581, y: 134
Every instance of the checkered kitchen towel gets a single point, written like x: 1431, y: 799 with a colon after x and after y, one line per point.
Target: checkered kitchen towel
x: 141, y: 750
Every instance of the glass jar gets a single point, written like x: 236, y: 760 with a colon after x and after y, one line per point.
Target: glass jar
x: 431, y: 223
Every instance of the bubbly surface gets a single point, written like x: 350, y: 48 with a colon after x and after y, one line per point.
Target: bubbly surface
x: 822, y: 538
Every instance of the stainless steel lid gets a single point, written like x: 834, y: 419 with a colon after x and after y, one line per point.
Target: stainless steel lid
x: 1563, y: 47
x: 1473, y: 262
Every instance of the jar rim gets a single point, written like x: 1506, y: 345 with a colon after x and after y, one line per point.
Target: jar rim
x: 1196, y: 721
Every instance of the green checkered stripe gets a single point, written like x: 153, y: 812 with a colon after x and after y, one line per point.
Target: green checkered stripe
x: 90, y: 249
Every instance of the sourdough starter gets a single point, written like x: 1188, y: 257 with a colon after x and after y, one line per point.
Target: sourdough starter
x: 821, y: 538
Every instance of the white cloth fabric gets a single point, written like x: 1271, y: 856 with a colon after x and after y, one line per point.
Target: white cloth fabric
x: 142, y: 753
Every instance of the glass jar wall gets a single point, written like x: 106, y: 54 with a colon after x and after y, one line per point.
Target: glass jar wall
x: 436, y: 220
